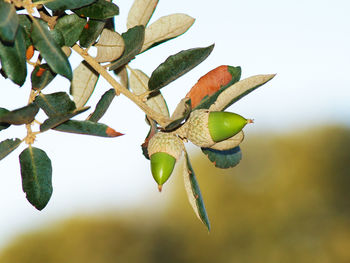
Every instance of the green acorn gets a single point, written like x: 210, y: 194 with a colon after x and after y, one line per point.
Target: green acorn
x: 206, y: 128
x: 164, y: 150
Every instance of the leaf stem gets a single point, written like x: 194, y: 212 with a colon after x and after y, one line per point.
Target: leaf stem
x: 159, y: 118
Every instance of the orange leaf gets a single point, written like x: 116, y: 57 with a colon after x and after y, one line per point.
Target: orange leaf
x: 209, y: 84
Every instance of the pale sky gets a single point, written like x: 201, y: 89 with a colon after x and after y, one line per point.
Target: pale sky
x: 307, y: 43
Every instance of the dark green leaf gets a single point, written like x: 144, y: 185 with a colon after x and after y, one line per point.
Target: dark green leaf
x: 8, y: 22
x: 26, y: 24
x: 87, y: 128
x: 207, y: 101
x: 224, y: 159
x: 71, y: 27
x: 58, y: 119
x: 54, y: 104
x: 13, y: 58
x: 177, y: 65
x: 50, y: 50
x: 66, y: 4
x: 8, y: 146
x: 3, y: 125
x: 91, y: 32
x: 102, y: 105
x: 41, y: 76
x: 181, y: 113
x: 36, y: 171
x: 193, y: 192
x: 133, y: 40
x: 24, y: 115
x: 101, y: 9
x: 57, y: 35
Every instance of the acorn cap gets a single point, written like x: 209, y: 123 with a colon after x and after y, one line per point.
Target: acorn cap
x: 198, y: 130
x: 166, y: 142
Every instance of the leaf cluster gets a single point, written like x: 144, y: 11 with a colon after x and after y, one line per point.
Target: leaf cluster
x: 44, y: 43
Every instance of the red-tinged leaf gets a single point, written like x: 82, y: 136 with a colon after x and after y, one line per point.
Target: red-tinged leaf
x: 153, y: 130
x: 87, y: 128
x: 211, y: 83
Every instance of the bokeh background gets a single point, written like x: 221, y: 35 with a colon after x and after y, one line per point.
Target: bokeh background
x: 288, y: 199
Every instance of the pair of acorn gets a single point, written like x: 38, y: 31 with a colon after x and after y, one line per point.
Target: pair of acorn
x: 204, y: 128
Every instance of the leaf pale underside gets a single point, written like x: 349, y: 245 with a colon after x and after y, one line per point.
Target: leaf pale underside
x: 238, y: 91
x: 193, y: 192
x: 229, y: 143
x: 165, y: 28
x: 139, y: 85
x: 110, y: 46
x: 141, y: 12
x: 83, y: 84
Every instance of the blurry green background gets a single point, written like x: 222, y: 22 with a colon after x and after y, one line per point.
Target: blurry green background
x: 287, y: 201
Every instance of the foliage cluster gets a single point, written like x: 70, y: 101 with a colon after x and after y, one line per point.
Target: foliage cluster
x: 41, y: 34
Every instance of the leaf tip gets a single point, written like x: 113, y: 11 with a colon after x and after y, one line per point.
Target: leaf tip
x: 113, y: 133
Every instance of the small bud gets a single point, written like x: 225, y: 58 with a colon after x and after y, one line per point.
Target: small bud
x: 164, y: 150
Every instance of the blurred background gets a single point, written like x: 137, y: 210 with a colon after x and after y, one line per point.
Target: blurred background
x: 288, y: 199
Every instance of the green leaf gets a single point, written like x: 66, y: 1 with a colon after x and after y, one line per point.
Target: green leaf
x: 24, y: 115
x: 102, y: 105
x: 54, y: 104
x: 66, y: 4
x: 13, y: 58
x: 8, y: 22
x: 71, y: 27
x: 50, y: 50
x: 193, y: 192
x: 87, y: 128
x: 8, y: 146
x: 26, y: 24
x: 3, y: 125
x: 101, y: 9
x: 90, y: 32
x: 57, y: 35
x: 41, y: 76
x: 36, y: 171
x: 207, y: 101
x: 58, y: 119
x: 177, y: 65
x: 224, y: 159
x: 133, y: 40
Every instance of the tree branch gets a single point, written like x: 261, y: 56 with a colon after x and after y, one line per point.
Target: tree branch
x: 159, y: 118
